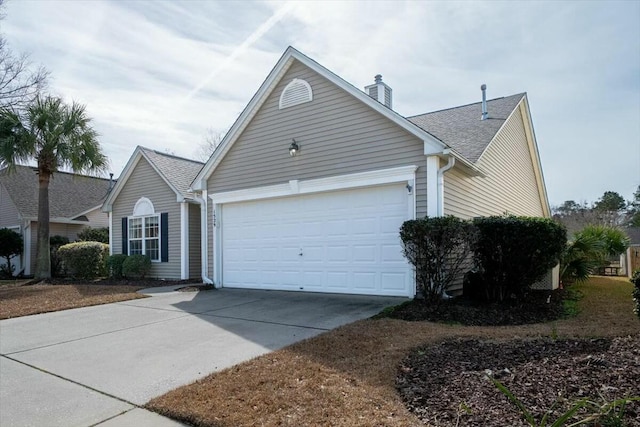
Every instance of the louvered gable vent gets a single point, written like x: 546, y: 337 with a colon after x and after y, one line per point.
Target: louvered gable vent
x: 298, y: 91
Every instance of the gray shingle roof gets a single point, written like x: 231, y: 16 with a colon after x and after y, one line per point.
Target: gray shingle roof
x: 69, y: 194
x: 461, y: 128
x: 180, y: 172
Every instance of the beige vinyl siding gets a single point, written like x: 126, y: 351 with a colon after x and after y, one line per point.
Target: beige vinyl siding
x: 337, y: 135
x: 195, y: 262
x: 510, y: 182
x: 9, y: 215
x: 145, y: 182
x: 97, y: 218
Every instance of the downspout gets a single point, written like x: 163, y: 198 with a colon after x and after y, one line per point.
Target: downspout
x: 441, y: 171
x: 204, y: 233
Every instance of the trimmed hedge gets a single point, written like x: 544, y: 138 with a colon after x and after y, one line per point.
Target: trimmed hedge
x: 114, y: 265
x: 84, y: 260
x: 136, y: 266
x: 94, y: 235
x: 512, y: 253
x: 437, y: 248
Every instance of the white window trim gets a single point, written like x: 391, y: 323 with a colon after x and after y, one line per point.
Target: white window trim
x: 361, y: 179
x: 144, y: 239
x: 295, y: 82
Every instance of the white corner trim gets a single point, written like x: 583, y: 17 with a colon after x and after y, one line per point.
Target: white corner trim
x: 110, y: 214
x: 27, y: 249
x: 340, y: 182
x: 184, y: 240
x: 433, y: 164
x: 217, y: 246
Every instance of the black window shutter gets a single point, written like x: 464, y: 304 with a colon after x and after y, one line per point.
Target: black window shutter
x: 164, y: 235
x: 125, y: 236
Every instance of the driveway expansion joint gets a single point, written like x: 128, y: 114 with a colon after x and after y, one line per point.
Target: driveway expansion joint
x: 73, y: 382
x: 267, y: 322
x: 93, y: 336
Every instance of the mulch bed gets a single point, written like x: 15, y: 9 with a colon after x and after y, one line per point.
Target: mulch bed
x: 140, y: 283
x: 196, y: 288
x: 540, y: 306
x: 447, y: 384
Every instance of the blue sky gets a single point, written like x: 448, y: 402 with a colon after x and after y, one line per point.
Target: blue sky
x: 159, y: 74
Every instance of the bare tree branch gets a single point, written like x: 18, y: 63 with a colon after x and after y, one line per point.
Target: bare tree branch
x: 20, y: 81
x: 212, y: 138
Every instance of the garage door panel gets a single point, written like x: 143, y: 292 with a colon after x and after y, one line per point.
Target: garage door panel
x: 349, y: 242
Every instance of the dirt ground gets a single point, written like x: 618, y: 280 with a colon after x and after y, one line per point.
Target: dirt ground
x: 347, y: 377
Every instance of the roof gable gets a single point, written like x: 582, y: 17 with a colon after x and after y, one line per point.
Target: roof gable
x: 176, y: 172
x: 432, y: 144
x: 70, y: 195
x: 461, y: 128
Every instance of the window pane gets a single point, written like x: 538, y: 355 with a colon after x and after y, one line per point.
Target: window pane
x: 135, y: 247
x: 151, y: 228
x: 135, y: 228
x: 153, y: 249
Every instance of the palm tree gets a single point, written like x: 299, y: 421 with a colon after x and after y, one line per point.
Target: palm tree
x: 55, y: 135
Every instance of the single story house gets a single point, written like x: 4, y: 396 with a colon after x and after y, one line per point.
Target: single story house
x: 152, y: 212
x: 75, y: 203
x: 308, y: 189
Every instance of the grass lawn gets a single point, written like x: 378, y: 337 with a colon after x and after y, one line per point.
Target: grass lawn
x: 16, y: 300
x: 346, y: 377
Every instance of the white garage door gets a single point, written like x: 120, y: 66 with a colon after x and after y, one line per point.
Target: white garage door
x: 343, y: 242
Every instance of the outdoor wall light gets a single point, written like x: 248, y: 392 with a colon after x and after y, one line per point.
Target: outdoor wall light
x: 293, y: 148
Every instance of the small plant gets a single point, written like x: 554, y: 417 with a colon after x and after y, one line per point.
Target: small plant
x: 635, y: 279
x: 607, y: 414
x: 84, y: 260
x: 114, y: 265
x: 136, y: 266
x: 10, y: 247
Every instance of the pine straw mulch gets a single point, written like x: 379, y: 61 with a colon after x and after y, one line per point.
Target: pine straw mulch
x: 63, y: 294
x: 347, y: 377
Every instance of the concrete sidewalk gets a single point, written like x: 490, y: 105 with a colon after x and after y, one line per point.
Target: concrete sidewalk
x: 98, y: 365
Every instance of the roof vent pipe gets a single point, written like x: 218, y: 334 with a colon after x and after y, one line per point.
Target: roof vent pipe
x: 484, y: 102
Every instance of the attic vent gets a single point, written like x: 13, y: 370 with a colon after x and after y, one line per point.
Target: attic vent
x: 296, y: 92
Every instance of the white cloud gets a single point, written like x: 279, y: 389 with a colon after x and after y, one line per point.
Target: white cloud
x: 160, y: 73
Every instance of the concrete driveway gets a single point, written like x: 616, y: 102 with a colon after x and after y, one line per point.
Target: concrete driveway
x: 98, y: 365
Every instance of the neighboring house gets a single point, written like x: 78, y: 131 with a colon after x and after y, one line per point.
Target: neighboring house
x: 74, y: 204
x: 308, y: 189
x: 154, y: 213
x: 631, y: 259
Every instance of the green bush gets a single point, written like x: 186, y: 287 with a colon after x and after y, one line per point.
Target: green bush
x: 84, y: 260
x: 437, y: 248
x: 10, y: 247
x: 57, y: 269
x: 512, y: 253
x: 114, y: 265
x: 136, y: 266
x: 635, y: 279
x: 94, y: 235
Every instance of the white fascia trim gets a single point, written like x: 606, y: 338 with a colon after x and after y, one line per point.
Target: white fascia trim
x: 59, y: 220
x: 537, y: 165
x: 199, y: 183
x: 361, y: 179
x: 184, y: 241
x: 138, y: 153
x: 107, y: 206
